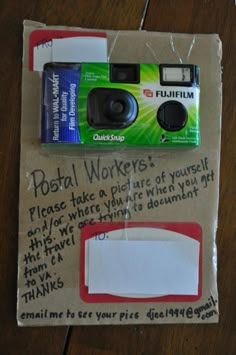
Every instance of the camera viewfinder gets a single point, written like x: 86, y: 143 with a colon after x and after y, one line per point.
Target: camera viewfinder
x: 125, y: 73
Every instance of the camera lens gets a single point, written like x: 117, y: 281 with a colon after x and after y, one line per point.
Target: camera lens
x: 109, y: 108
x: 117, y: 107
x: 120, y: 106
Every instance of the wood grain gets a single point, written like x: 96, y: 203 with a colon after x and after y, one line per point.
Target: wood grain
x: 86, y: 13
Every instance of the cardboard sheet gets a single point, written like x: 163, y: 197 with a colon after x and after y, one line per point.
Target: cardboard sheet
x: 67, y: 197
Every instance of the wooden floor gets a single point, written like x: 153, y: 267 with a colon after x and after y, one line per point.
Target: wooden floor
x: 195, y: 16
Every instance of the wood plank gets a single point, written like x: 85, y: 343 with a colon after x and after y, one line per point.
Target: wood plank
x: 115, y: 14
x: 99, y: 13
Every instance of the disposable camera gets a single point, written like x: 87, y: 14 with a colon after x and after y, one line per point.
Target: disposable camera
x: 104, y: 104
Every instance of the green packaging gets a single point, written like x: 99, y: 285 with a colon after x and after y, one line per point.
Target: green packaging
x: 133, y: 105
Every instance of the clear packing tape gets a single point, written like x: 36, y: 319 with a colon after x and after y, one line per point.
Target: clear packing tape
x: 182, y: 58
x: 72, y: 199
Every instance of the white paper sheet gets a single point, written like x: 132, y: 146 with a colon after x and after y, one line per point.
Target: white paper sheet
x: 72, y: 49
x: 42, y: 55
x: 143, y: 267
x: 79, y: 49
x: 138, y: 233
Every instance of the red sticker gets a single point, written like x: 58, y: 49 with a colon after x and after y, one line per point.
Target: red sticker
x: 100, y: 230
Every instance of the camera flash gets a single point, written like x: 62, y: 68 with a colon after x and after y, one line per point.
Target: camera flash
x: 176, y: 74
x: 179, y: 74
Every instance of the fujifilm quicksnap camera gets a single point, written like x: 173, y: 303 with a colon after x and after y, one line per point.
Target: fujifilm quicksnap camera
x: 132, y: 104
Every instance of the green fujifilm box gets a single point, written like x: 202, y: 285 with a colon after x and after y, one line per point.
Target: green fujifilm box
x: 103, y: 104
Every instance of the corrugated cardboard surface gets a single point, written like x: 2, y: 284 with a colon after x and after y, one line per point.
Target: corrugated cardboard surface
x: 48, y: 285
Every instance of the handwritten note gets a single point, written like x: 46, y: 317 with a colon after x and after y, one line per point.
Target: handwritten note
x: 111, y: 195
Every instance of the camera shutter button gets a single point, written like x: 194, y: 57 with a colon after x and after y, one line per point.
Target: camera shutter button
x: 172, y: 116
